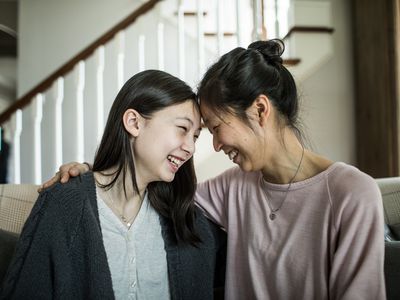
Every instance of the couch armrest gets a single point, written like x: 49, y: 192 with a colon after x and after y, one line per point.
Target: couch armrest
x: 16, y: 202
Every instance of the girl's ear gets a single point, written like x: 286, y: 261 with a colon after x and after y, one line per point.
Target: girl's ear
x: 262, y: 108
x: 131, y: 119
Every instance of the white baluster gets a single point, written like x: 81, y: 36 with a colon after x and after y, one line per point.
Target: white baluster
x: 120, y: 58
x: 99, y: 93
x: 16, y: 130
x: 220, y: 29
x: 58, y: 92
x: 141, y: 51
x: 37, y: 141
x: 238, y: 19
x: 200, y: 37
x: 79, y: 85
x: 160, y: 42
x: 181, y: 40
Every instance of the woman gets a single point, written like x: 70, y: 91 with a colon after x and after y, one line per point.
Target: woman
x: 129, y: 229
x: 299, y: 225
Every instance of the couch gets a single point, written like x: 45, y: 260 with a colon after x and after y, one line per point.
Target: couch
x: 16, y: 202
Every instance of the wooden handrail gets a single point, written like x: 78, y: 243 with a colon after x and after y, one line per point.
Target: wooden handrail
x: 309, y: 29
x: 69, y: 65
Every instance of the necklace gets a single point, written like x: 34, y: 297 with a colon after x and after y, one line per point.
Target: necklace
x: 272, y: 214
x: 126, y: 220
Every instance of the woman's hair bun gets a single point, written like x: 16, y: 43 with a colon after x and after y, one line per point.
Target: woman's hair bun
x: 271, y: 50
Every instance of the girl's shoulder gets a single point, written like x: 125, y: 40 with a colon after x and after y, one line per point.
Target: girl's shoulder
x: 71, y: 196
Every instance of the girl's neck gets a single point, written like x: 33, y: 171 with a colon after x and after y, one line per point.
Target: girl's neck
x: 117, y: 191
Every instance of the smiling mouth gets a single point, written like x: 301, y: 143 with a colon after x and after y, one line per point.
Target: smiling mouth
x: 232, y: 154
x: 177, y: 162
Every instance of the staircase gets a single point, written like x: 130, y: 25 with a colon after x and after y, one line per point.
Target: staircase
x: 62, y: 118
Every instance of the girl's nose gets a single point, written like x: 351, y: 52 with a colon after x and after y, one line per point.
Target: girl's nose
x: 217, y: 145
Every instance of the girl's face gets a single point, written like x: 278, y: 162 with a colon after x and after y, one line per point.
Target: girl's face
x: 231, y: 135
x: 165, y: 142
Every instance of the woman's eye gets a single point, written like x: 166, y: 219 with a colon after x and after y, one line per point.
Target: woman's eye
x: 183, y: 128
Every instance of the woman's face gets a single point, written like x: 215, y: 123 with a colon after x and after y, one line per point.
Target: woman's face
x: 231, y: 135
x: 165, y: 142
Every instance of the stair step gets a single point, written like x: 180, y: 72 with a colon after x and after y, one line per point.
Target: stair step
x: 191, y: 13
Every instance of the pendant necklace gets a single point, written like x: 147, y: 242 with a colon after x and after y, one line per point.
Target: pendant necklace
x: 272, y: 214
x: 127, y: 221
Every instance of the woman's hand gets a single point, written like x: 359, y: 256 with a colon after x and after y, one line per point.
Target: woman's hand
x: 66, y: 171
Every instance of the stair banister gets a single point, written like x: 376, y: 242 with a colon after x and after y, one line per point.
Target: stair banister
x: 68, y: 66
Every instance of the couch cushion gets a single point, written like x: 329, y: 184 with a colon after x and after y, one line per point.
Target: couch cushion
x: 392, y: 270
x: 390, y: 189
x: 8, y: 240
x: 16, y: 202
x: 395, y: 230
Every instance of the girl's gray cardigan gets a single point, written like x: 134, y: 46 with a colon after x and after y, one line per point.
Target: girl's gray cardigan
x: 60, y: 254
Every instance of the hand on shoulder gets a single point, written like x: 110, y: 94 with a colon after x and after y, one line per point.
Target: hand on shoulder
x: 64, y: 173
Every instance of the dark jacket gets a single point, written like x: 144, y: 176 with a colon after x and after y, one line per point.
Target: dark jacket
x: 60, y: 254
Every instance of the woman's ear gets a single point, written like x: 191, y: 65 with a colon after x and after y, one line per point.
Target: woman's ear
x: 131, y: 119
x: 262, y: 107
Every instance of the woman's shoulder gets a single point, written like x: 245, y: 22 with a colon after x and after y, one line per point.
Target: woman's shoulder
x: 235, y: 174
x: 348, y: 182
x: 342, y: 174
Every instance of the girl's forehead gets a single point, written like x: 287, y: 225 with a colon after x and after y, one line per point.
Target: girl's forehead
x: 185, y: 111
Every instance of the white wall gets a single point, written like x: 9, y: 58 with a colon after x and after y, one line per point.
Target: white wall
x: 328, y: 94
x: 52, y: 31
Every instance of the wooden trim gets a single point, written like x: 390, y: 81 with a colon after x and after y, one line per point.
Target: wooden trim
x: 308, y: 29
x: 212, y: 34
x: 291, y: 61
x: 69, y: 65
x: 191, y: 13
x: 376, y: 75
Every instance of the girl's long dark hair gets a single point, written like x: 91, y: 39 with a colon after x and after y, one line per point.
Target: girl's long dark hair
x: 148, y: 92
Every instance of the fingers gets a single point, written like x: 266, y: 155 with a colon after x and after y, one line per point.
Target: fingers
x: 71, y: 170
x: 65, y: 172
x: 56, y: 178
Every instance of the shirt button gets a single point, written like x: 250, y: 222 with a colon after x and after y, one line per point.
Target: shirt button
x: 133, y: 284
x: 132, y: 260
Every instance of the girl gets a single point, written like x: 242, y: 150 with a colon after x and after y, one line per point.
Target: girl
x: 129, y: 229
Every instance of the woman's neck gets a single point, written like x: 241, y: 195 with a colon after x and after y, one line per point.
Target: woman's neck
x: 288, y: 161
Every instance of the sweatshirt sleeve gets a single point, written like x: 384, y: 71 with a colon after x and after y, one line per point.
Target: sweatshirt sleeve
x: 357, y: 266
x: 212, y: 196
x: 29, y: 273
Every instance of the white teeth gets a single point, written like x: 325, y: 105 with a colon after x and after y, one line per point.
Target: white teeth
x: 232, y: 154
x: 174, y: 160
